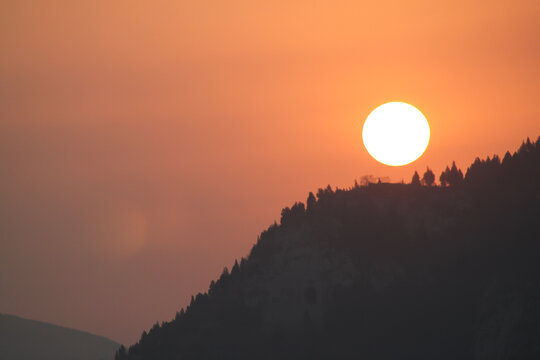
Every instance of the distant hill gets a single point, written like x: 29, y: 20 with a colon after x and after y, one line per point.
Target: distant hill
x: 23, y: 339
x: 381, y: 271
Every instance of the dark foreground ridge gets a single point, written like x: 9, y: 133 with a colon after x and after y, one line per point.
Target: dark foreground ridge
x: 23, y: 339
x: 381, y: 271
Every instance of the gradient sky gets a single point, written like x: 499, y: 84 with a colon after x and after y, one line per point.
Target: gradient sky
x: 145, y: 145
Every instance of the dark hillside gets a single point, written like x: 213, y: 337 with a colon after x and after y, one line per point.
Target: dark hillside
x: 24, y: 339
x: 382, y: 271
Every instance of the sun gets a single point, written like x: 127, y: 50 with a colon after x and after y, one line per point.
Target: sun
x: 396, y: 133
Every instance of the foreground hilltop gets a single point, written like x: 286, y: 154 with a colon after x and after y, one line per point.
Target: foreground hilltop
x: 24, y: 339
x: 381, y: 271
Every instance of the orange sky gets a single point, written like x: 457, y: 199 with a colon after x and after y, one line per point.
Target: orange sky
x: 144, y: 145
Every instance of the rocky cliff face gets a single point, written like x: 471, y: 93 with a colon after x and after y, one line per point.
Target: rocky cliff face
x: 297, y: 283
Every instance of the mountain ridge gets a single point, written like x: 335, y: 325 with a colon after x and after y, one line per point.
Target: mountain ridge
x: 382, y: 271
x: 22, y: 338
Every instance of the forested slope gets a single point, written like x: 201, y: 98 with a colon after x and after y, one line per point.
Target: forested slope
x: 381, y: 271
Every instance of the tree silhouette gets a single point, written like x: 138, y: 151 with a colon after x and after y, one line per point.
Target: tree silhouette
x: 507, y: 158
x: 416, y: 179
x: 236, y: 268
x: 451, y: 176
x: 443, y: 179
x: 310, y: 202
x: 121, y: 353
x: 456, y: 176
x: 429, y: 177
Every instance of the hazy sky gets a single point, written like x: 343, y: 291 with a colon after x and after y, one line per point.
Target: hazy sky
x: 144, y: 145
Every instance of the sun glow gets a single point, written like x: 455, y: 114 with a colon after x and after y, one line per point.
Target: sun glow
x: 396, y: 133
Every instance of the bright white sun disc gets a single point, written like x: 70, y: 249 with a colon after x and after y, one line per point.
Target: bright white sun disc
x: 396, y: 133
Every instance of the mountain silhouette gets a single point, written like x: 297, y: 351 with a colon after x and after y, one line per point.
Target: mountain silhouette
x: 381, y: 271
x: 23, y: 339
